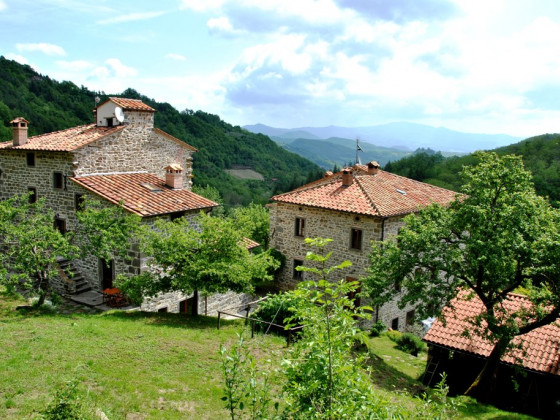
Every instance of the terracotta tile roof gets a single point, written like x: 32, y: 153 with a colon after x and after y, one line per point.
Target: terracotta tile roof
x: 541, y: 346
x: 143, y: 194
x: 382, y: 194
x: 250, y: 244
x: 64, y: 140
x: 129, y: 104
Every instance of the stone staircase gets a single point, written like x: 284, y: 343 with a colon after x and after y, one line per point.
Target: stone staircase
x: 74, y: 281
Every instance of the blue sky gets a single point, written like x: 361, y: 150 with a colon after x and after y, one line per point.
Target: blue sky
x: 488, y: 66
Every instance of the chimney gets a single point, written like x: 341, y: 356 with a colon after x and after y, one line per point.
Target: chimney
x: 19, y: 129
x: 347, y: 177
x: 373, y: 167
x: 174, y: 176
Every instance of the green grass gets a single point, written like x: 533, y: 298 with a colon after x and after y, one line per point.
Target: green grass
x: 128, y: 365
x: 157, y: 366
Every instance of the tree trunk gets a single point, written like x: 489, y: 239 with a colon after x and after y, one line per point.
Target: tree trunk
x: 484, y: 386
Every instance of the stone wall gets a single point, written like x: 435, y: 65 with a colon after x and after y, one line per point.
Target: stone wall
x: 134, y: 149
x: 337, y: 226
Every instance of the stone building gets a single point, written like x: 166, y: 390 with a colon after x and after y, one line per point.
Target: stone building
x: 353, y: 207
x: 121, y: 157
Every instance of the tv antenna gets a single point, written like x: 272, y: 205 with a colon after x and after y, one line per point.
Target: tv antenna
x: 358, y: 149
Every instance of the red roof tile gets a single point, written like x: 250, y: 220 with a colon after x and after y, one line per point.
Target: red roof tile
x: 541, y: 346
x: 382, y: 194
x: 250, y: 244
x: 64, y: 140
x: 129, y: 104
x: 143, y: 194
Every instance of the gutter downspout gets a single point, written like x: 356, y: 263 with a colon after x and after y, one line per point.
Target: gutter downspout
x: 382, y: 239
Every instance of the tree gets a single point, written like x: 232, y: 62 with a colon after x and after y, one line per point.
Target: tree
x: 106, y: 231
x: 209, y: 259
x: 31, y: 245
x: 254, y: 221
x: 497, y: 237
x: 323, y: 376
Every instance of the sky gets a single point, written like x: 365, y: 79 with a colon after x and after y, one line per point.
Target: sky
x: 481, y: 66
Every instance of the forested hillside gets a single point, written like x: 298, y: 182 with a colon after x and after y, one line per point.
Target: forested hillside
x: 541, y: 156
x: 50, y: 105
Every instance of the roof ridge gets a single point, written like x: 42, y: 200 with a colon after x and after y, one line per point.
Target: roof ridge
x: 417, y: 182
x: 358, y: 181
x: 322, y: 181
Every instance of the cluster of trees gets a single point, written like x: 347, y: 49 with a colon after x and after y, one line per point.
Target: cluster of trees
x: 50, y: 105
x: 540, y: 154
x: 498, y: 237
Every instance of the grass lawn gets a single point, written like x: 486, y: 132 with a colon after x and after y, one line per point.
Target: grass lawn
x: 137, y: 366
x: 128, y: 365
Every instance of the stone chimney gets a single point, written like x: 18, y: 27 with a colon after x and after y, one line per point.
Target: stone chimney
x: 373, y: 167
x: 19, y: 129
x: 347, y: 177
x: 174, y: 176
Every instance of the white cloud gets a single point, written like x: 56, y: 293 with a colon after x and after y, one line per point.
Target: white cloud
x: 119, y: 69
x: 130, y: 17
x: 221, y: 24
x: 3, y: 5
x: 176, y: 57
x: 74, y: 66
x: 48, y: 49
x: 19, y: 58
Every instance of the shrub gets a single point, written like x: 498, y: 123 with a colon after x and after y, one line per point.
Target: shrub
x: 66, y: 404
x: 377, y: 329
x: 409, y: 343
x: 276, y: 309
x: 394, y: 335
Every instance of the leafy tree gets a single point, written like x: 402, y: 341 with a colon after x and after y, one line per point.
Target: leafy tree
x: 106, y: 231
x: 496, y: 238
x: 323, y: 377
x: 211, y: 259
x: 254, y: 221
x: 31, y: 245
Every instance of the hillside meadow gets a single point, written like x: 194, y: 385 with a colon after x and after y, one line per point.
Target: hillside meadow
x: 158, y: 366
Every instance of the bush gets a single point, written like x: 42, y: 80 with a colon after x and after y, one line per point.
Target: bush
x: 394, y: 335
x: 409, y: 343
x: 66, y: 404
x: 377, y: 329
x: 276, y: 309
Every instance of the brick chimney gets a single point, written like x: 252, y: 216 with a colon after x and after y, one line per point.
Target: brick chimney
x: 373, y: 167
x: 347, y: 177
x: 174, y: 176
x: 19, y: 129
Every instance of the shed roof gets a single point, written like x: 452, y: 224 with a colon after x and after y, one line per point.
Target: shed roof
x: 541, y: 347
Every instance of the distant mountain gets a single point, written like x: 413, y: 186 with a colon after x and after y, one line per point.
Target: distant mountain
x: 50, y: 105
x: 400, y: 135
x: 338, y: 151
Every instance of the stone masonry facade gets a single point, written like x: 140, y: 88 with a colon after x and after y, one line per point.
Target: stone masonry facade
x: 337, y: 226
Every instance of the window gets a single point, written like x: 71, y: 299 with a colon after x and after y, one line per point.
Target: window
x: 395, y: 324
x: 79, y: 202
x: 162, y: 310
x: 60, y: 225
x: 299, y: 227
x: 298, y: 275
x: 354, y: 295
x: 356, y: 238
x: 58, y: 180
x: 30, y: 159
x: 410, y: 317
x: 32, y: 195
x: 176, y: 215
x: 397, y: 286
